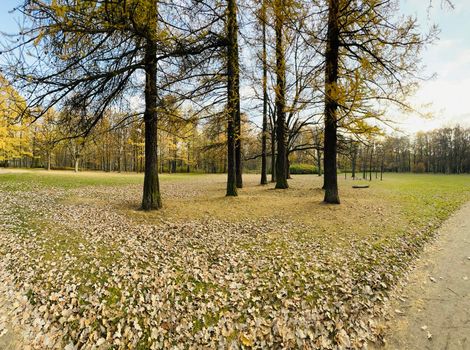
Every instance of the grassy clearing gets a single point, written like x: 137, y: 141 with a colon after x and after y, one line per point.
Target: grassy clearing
x: 396, y: 206
x: 399, y: 204
x: 251, y: 270
x: 19, y: 178
x: 426, y: 197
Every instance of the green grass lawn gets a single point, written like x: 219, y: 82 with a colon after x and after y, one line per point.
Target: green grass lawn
x: 428, y: 194
x: 70, y: 179
x: 270, y: 268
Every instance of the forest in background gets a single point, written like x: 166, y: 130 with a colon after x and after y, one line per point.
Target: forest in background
x: 192, y: 145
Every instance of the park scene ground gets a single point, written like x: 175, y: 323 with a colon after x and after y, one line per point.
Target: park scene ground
x: 81, y: 267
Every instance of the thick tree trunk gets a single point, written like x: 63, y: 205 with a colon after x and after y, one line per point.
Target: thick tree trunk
x: 281, y: 174
x: 238, y: 147
x: 264, y: 179
x: 151, y: 196
x: 331, y: 105
x: 233, y: 96
x: 77, y: 161
x: 231, y: 173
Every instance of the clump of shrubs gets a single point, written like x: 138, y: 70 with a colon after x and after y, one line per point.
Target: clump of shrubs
x: 302, y: 168
x: 419, y: 168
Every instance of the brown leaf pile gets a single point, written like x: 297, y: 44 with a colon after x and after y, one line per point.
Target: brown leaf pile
x: 81, y: 276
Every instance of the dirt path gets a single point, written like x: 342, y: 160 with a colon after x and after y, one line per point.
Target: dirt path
x: 9, y: 337
x: 433, y: 311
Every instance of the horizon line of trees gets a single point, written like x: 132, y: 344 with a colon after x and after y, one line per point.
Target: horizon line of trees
x: 200, y: 147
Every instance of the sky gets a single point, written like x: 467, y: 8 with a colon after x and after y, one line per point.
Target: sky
x: 444, y: 96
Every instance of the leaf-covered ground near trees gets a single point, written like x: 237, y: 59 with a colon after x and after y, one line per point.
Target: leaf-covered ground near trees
x: 82, y: 268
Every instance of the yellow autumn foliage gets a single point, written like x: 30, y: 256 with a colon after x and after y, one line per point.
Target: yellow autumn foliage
x: 14, y: 133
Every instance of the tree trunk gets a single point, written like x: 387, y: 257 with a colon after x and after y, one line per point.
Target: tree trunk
x: 238, y: 148
x: 288, y: 167
x: 151, y: 196
x: 125, y: 160
x: 409, y: 161
x: 237, y: 115
x: 319, y: 161
x: 281, y: 175
x: 364, y: 163
x: 331, y: 104
x: 77, y: 161
x: 273, y: 155
x: 120, y: 160
x: 370, y: 163
x: 233, y: 96
x: 382, y: 168
x: 49, y: 158
x: 188, y: 170
x: 264, y: 179
x: 353, y: 163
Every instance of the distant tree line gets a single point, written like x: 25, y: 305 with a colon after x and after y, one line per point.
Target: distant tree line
x: 189, y: 144
x: 444, y: 150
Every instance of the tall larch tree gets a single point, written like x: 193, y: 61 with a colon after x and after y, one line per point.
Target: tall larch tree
x: 371, y: 57
x: 280, y: 91
x: 238, y: 121
x: 151, y: 196
x: 233, y: 98
x: 97, y: 52
x: 331, y: 104
x: 264, y: 61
